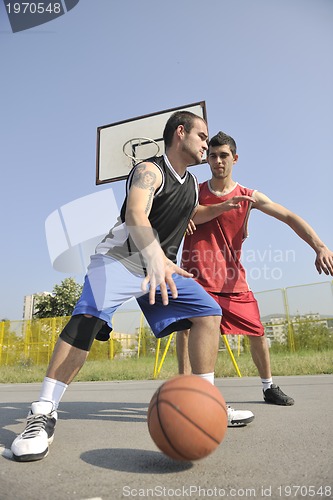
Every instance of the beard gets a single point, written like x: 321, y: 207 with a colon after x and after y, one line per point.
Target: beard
x: 195, y: 157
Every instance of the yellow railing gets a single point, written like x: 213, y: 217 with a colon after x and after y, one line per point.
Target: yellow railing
x: 283, y: 311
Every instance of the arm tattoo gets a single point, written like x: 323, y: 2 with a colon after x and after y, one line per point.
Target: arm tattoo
x: 144, y: 179
x: 150, y: 201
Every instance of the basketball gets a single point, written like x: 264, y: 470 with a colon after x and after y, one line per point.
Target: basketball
x: 187, y: 418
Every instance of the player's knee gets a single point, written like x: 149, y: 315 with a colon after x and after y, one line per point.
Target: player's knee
x: 208, y: 322
x: 81, y: 331
x: 183, y: 333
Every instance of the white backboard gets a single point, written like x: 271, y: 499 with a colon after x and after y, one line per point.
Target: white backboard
x: 112, y: 164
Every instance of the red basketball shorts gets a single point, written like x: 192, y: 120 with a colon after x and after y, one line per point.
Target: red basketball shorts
x: 240, y: 314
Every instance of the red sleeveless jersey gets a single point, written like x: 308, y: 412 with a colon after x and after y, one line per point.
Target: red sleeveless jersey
x: 213, y: 252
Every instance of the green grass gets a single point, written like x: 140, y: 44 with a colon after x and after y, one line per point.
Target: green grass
x: 299, y: 363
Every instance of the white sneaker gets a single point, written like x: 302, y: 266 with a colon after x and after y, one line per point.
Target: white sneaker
x: 239, y: 418
x: 33, y: 443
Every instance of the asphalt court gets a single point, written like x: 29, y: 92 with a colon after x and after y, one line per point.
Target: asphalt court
x: 102, y: 448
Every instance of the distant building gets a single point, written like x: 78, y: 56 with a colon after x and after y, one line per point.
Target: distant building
x: 29, y: 305
x: 129, y: 344
x: 276, y: 326
x: 310, y: 318
x: 276, y: 330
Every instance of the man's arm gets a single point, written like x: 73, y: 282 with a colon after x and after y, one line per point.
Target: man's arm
x: 205, y: 213
x: 324, y: 258
x: 146, y: 179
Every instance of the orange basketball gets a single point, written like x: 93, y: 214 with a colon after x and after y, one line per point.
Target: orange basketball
x: 187, y: 418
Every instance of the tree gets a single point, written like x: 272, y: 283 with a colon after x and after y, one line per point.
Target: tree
x: 61, y: 302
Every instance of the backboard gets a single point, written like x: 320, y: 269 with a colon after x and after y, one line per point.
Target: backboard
x: 122, y: 144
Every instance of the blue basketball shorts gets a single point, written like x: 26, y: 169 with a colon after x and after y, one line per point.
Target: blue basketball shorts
x: 109, y: 284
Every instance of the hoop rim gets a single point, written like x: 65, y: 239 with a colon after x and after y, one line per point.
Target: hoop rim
x: 136, y: 158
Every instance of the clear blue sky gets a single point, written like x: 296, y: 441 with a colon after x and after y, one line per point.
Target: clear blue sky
x: 264, y: 69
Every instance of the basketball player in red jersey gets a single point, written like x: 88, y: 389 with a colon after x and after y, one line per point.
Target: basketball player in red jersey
x: 212, y: 252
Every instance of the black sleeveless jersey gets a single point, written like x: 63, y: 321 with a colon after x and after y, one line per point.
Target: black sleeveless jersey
x: 172, y: 207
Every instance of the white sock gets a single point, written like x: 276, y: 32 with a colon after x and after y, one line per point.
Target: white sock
x: 52, y: 390
x: 266, y: 383
x: 207, y: 376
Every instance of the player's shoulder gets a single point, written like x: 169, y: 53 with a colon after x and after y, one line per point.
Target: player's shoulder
x: 243, y: 190
x: 146, y: 171
x: 193, y: 177
x: 152, y: 164
x: 203, y: 185
x: 156, y: 161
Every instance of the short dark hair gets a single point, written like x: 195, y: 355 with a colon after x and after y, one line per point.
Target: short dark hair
x: 185, y: 118
x: 222, y: 139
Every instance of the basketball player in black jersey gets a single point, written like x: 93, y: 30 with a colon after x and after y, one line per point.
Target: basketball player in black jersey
x: 138, y: 259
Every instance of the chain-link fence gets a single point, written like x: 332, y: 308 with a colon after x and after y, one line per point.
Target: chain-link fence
x: 295, y: 318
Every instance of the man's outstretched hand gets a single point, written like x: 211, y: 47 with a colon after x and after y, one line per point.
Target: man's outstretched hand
x: 324, y: 261
x: 159, y: 273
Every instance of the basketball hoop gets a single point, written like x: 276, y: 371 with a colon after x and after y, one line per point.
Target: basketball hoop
x: 130, y: 148
x: 116, y: 154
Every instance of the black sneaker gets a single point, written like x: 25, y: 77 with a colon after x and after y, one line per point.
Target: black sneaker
x: 275, y: 396
x: 33, y: 443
